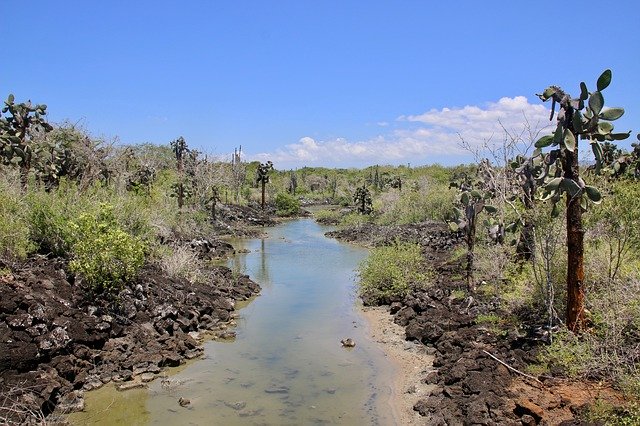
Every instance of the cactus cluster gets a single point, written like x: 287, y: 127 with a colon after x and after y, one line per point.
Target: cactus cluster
x: 16, y: 130
x: 363, y: 201
x: 582, y: 118
x: 621, y: 163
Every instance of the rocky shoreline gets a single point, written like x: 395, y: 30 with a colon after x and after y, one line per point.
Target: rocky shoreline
x: 476, y: 374
x: 56, y: 343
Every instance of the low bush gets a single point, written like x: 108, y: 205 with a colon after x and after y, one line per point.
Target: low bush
x: 287, y: 205
x: 328, y: 217
x: 390, y: 272
x: 50, y: 215
x: 14, y: 234
x: 423, y: 202
x: 105, y: 256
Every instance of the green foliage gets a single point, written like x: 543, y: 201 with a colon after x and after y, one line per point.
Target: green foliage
x: 425, y: 202
x: 390, y: 272
x: 613, y: 228
x: 14, y: 232
x: 567, y: 353
x: 287, y: 205
x: 355, y: 219
x: 328, y: 216
x: 605, y: 413
x: 105, y: 256
x: 49, y: 222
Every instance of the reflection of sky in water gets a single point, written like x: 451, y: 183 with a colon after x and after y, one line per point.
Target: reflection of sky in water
x: 286, y: 365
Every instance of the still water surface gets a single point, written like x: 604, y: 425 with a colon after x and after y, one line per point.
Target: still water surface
x: 286, y: 365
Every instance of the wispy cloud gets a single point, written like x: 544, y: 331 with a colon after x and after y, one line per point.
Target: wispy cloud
x: 433, y: 136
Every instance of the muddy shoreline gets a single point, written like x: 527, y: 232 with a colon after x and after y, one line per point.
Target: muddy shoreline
x: 411, y: 362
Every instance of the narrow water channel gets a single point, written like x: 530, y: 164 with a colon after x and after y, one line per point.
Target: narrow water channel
x: 286, y: 365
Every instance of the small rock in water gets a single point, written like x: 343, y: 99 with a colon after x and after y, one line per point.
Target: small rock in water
x: 183, y: 402
x: 147, y: 377
x: 277, y: 389
x: 130, y: 385
x: 238, y: 405
x: 348, y: 343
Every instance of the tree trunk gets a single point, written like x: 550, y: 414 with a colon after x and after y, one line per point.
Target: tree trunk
x: 263, y: 186
x: 575, y: 249
x: 180, y: 196
x: 24, y: 176
x: 471, y: 240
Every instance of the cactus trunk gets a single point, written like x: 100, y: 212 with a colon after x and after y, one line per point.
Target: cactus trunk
x: 575, y: 250
x: 180, y: 195
x: 263, y: 186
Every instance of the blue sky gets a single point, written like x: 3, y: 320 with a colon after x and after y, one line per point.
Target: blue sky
x: 335, y: 83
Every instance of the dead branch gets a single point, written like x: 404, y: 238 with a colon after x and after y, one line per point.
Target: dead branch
x: 515, y: 370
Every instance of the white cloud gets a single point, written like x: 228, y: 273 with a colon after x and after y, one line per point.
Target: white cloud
x: 433, y: 136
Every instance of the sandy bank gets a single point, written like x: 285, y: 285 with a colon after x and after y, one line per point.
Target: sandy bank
x: 411, y: 359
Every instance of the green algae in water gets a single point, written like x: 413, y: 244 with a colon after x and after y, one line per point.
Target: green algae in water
x: 286, y: 365
x: 108, y: 406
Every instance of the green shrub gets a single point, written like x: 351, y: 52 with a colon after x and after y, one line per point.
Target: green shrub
x: 355, y: 219
x: 14, y: 234
x: 412, y: 206
x: 287, y: 205
x: 390, y: 272
x: 49, y: 224
x: 569, y: 354
x: 104, y: 255
x: 328, y: 216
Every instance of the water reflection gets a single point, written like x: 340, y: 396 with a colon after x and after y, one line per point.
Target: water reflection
x: 286, y: 365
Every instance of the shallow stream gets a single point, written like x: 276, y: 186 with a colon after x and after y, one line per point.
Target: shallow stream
x: 286, y: 365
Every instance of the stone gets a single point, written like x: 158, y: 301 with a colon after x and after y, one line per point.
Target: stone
x: 238, y: 405
x: 19, y: 321
x: 147, y: 377
x: 130, y: 385
x: 277, y: 389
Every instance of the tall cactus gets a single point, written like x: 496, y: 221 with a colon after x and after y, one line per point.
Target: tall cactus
x: 581, y: 118
x: 213, y: 200
x: 363, y: 201
x: 262, y: 177
x: 465, y: 218
x: 293, y: 182
x: 180, y: 149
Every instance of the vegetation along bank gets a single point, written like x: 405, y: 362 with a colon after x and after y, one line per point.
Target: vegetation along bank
x: 518, y: 273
